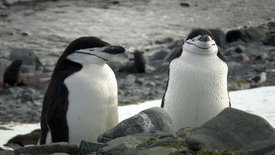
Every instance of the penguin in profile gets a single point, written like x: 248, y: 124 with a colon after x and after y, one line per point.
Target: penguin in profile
x: 197, y: 86
x: 81, y: 100
x: 12, y: 75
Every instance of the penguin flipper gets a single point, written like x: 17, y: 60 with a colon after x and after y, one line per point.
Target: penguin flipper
x: 55, y: 108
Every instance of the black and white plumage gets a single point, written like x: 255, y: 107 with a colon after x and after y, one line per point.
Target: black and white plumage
x: 259, y: 78
x: 81, y: 100
x: 197, y: 86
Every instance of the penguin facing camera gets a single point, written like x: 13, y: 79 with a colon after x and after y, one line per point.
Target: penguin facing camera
x: 197, y: 86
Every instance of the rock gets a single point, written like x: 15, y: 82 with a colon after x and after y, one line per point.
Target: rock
x: 121, y: 144
x: 6, y: 152
x: 219, y: 37
x: 148, y: 121
x: 130, y: 142
x: 164, y: 141
x: 237, y: 69
x: 115, y: 65
x: 4, y: 63
x: 239, y: 49
x: 174, y: 53
x: 48, y: 149
x: 129, y: 79
x: 30, y: 59
x: 22, y: 110
x: 235, y: 58
x: 256, y: 49
x: 184, y: 4
x: 9, y: 2
x: 269, y: 40
x: 233, y: 130
x: 88, y: 147
x: 26, y: 139
x: 152, y: 151
x: 246, y: 35
x: 115, y: 2
x: 159, y: 55
x: 165, y: 41
x: 177, y: 43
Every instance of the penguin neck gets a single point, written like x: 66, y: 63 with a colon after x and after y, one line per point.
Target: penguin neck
x: 96, y: 61
x: 195, y: 56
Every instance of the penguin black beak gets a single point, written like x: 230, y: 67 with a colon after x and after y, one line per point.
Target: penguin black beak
x: 114, y: 50
x: 204, y: 38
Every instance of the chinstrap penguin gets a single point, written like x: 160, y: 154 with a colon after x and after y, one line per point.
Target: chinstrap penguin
x: 12, y: 75
x: 197, y: 86
x: 81, y: 100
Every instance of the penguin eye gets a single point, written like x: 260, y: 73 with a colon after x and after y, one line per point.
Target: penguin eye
x: 193, y: 39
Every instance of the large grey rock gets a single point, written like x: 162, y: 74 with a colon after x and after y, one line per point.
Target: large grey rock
x: 131, y: 142
x: 246, y: 34
x: 159, y: 55
x: 6, y: 152
x: 4, y: 63
x: 233, y: 130
x: 48, y: 149
x: 148, y: 121
x: 31, y: 62
x: 270, y: 40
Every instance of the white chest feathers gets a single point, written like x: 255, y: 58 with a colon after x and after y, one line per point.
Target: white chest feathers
x: 197, y: 89
x: 92, y: 103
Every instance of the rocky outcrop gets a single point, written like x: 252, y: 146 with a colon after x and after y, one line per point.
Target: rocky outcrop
x: 30, y: 59
x: 233, y: 130
x: 150, y: 132
x: 150, y: 121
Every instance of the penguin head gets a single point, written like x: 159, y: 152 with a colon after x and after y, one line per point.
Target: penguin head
x: 200, y: 42
x: 90, y: 50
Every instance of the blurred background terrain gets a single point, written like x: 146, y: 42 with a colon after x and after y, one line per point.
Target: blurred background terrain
x: 152, y: 30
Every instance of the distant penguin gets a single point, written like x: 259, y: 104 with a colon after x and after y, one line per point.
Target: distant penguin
x: 259, y: 78
x: 13, y: 76
x: 140, y: 61
x: 197, y: 85
x: 81, y: 100
x: 138, y: 66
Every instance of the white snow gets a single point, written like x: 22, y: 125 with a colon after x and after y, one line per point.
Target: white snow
x: 259, y: 101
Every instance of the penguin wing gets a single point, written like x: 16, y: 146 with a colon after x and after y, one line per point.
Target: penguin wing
x: 54, y: 111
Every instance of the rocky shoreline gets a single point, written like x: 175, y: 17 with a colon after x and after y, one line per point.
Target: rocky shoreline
x: 247, y: 57
x: 249, y: 49
x: 231, y: 132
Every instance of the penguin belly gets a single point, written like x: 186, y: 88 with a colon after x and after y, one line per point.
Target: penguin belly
x: 197, y: 91
x: 92, y: 103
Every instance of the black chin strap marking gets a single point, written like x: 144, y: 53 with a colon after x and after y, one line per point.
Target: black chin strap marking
x: 93, y: 55
x: 200, y: 47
